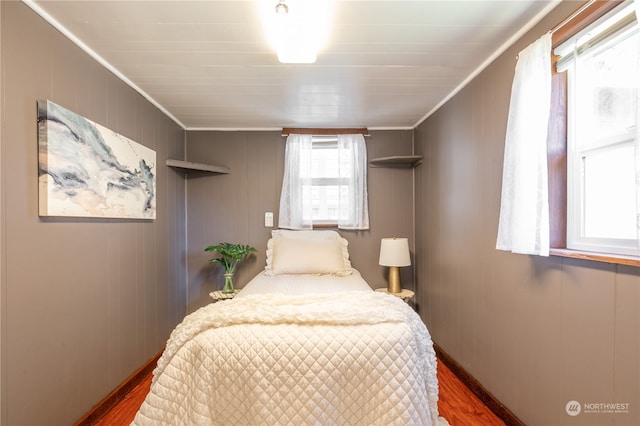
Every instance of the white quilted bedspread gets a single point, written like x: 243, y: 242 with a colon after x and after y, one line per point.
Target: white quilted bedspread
x: 343, y: 359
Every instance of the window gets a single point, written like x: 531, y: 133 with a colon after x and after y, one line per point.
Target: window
x: 325, y: 182
x: 602, y: 64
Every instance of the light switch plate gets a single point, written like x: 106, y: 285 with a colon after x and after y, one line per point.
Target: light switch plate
x: 268, y: 219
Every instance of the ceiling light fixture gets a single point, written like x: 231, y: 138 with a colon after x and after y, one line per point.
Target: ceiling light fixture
x: 297, y: 29
x: 282, y: 8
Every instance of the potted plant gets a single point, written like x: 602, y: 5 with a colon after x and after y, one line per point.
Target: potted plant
x: 230, y: 256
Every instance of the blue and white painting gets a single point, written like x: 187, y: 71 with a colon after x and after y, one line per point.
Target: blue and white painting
x: 87, y: 170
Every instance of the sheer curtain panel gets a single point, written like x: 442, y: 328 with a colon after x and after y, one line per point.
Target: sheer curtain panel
x: 354, y: 206
x: 295, y: 198
x: 524, y: 210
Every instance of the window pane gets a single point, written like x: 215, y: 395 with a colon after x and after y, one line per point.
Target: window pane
x: 324, y: 162
x: 609, y: 193
x: 607, y: 80
x: 325, y: 202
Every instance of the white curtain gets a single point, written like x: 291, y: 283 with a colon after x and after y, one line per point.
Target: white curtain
x: 524, y: 210
x: 354, y: 206
x: 295, y: 198
x: 637, y: 143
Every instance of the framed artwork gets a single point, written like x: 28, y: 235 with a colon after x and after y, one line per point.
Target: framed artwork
x: 87, y: 170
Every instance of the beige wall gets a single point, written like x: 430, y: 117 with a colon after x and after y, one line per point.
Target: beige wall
x: 536, y: 332
x: 85, y: 302
x: 231, y: 207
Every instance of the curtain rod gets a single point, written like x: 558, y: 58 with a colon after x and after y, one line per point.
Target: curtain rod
x: 573, y: 15
x: 584, y: 16
x: 286, y: 131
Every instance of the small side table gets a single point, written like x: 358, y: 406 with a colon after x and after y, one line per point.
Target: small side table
x: 405, y: 294
x: 219, y: 295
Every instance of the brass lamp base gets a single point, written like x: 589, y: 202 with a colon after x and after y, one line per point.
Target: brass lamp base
x: 394, y: 285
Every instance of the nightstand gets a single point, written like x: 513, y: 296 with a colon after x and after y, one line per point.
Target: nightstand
x: 219, y: 295
x: 405, y: 294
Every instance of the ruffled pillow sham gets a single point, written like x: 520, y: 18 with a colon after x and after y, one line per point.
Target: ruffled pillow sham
x: 307, y: 252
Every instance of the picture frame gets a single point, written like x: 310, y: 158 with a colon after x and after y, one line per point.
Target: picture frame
x: 87, y: 170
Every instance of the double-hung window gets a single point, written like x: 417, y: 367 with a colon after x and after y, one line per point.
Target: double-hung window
x: 325, y: 182
x: 602, y: 64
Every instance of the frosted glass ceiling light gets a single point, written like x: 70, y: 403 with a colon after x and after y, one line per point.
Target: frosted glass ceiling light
x: 296, y: 47
x: 296, y: 29
x: 288, y: 56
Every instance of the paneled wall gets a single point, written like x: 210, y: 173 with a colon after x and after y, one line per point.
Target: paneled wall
x: 85, y: 302
x: 231, y: 207
x: 536, y: 332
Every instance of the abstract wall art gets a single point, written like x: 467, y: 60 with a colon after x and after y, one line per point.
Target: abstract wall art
x: 87, y: 170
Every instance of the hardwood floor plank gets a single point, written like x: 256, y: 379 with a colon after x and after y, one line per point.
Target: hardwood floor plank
x: 110, y: 402
x: 459, y: 405
x: 125, y: 411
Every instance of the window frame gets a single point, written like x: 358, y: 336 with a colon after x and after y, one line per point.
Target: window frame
x: 579, y: 155
x: 557, y: 142
x: 325, y: 132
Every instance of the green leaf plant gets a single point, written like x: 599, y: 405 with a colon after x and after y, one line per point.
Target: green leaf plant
x: 230, y: 255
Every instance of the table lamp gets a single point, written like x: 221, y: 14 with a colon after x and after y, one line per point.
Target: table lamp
x: 394, y: 253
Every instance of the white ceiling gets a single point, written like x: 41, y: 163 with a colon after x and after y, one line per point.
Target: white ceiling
x: 387, y: 64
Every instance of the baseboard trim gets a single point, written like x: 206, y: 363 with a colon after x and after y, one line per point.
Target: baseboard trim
x: 118, y: 394
x: 478, y: 390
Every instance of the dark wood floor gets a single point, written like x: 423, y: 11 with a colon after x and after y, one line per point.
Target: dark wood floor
x: 457, y: 404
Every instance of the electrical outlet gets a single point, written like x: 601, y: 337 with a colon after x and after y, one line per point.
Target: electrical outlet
x: 268, y: 219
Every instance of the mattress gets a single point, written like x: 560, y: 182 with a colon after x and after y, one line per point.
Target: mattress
x: 288, y: 351
x: 298, y: 284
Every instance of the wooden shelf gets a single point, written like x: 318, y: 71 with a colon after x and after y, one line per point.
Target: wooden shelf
x: 405, y: 161
x: 187, y: 165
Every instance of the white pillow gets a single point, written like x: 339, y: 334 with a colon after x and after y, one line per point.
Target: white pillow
x: 323, y: 234
x: 300, y: 256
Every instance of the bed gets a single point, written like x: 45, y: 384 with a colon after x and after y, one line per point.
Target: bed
x: 305, y: 342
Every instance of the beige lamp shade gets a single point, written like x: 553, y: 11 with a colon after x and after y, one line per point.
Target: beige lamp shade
x: 394, y: 252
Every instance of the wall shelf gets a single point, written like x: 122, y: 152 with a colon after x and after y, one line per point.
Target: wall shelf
x: 187, y: 166
x: 404, y: 161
